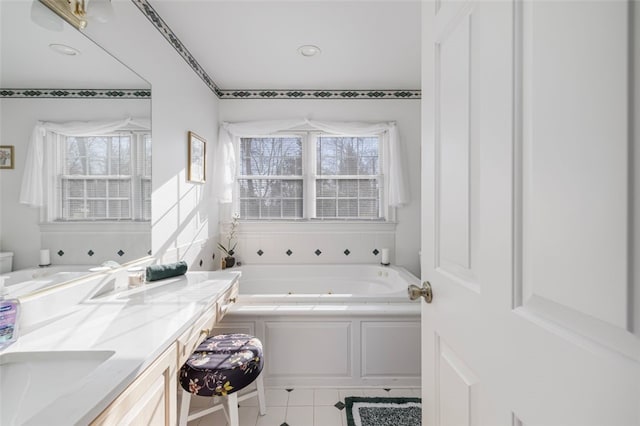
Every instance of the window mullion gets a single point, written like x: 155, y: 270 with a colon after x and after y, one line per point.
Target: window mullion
x: 309, y: 196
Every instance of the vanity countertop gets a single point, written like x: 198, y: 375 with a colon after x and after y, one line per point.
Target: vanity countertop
x: 137, y: 325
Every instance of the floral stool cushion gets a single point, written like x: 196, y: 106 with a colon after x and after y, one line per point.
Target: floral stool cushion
x: 222, y: 365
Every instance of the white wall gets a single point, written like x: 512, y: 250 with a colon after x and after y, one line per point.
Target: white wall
x: 184, y: 221
x: 303, y: 240
x: 20, y: 232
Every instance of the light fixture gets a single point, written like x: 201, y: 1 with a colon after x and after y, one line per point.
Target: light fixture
x: 76, y: 12
x: 309, y: 50
x: 63, y: 49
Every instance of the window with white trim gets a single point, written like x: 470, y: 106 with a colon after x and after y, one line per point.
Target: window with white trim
x: 310, y: 176
x: 102, y: 178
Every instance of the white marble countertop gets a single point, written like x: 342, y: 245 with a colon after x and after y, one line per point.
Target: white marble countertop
x: 137, y: 325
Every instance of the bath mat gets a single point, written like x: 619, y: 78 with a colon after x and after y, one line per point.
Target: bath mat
x: 364, y: 411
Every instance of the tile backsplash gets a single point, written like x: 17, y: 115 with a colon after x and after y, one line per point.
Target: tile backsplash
x: 277, y: 244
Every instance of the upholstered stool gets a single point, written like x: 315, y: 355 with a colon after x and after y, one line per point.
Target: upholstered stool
x: 221, y: 366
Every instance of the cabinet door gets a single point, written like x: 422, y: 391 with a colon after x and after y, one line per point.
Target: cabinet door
x: 150, y: 400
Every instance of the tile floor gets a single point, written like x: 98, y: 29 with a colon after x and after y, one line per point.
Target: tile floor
x: 296, y: 407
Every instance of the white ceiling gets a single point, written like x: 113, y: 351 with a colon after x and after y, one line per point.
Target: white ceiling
x: 28, y: 62
x: 253, y: 44
x: 240, y: 44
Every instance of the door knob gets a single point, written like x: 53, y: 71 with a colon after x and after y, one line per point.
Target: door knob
x: 426, y: 292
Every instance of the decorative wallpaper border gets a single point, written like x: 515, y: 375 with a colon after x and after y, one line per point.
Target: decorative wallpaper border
x: 174, y: 41
x: 320, y: 94
x: 77, y: 93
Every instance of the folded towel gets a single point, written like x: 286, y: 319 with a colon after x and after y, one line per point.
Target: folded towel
x: 159, y: 272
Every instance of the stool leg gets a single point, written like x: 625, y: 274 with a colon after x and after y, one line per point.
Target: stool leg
x: 232, y: 406
x: 261, y: 400
x: 184, y: 407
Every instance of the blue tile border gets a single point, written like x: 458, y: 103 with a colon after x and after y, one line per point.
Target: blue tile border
x: 76, y: 93
x: 169, y: 35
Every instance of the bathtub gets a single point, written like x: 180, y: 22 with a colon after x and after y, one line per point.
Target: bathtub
x: 23, y: 281
x: 330, y: 325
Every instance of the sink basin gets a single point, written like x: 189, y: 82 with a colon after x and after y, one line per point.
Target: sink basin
x: 30, y: 381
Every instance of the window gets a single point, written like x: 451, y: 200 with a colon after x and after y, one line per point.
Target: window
x: 102, y: 178
x: 310, y: 176
x: 271, y: 178
x: 347, y: 177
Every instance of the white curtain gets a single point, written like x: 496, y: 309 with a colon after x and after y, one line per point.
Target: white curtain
x: 230, y: 134
x: 31, y: 191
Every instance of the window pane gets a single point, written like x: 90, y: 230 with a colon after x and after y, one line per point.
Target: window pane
x: 120, y: 156
x: 96, y: 188
x: 74, y: 209
x: 119, y: 209
x: 348, y: 188
x: 368, y: 188
x: 97, y: 149
x: 369, y: 208
x: 347, y: 155
x: 292, y: 188
x: 76, y: 157
x: 250, y: 209
x: 325, y: 208
x: 75, y: 188
x: 348, y: 207
x: 292, y: 208
x: 97, y: 209
x: 326, y: 187
x: 271, y: 156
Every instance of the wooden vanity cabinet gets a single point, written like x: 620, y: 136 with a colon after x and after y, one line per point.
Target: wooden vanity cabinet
x: 152, y: 398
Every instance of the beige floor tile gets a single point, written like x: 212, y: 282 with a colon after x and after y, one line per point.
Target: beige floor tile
x: 275, y: 417
x: 274, y: 397
x: 299, y: 416
x: 325, y: 397
x: 248, y: 416
x: 300, y: 397
x: 374, y: 392
x: 327, y: 416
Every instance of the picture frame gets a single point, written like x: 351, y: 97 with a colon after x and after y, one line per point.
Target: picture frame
x: 197, y: 161
x: 7, y: 159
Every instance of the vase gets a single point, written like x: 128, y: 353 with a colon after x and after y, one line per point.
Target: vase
x: 229, y: 261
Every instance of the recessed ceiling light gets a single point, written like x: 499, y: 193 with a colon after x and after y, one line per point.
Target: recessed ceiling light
x: 63, y: 49
x: 309, y: 50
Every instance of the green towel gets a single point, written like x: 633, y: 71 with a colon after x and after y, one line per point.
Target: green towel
x: 159, y: 272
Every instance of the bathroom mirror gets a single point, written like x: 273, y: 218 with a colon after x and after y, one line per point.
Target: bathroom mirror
x: 73, y: 79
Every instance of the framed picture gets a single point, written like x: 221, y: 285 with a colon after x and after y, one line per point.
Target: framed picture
x: 6, y: 157
x: 197, y: 159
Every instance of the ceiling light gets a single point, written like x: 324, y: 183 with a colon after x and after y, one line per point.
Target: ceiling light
x: 309, y: 50
x: 63, y: 49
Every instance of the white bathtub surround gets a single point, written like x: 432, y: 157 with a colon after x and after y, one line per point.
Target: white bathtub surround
x: 331, y: 325
x: 125, y: 330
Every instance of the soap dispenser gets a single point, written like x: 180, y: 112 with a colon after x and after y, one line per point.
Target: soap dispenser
x: 9, y: 310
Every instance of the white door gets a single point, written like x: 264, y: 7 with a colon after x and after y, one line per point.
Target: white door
x: 530, y: 218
